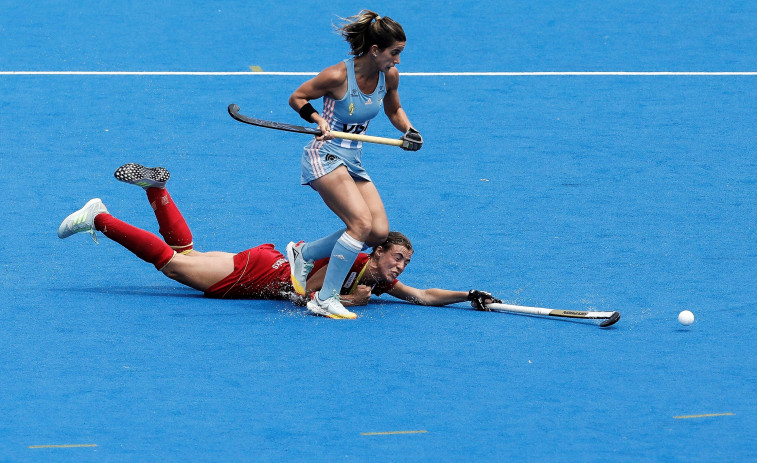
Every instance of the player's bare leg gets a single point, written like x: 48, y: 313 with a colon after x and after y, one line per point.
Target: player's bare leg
x: 199, y: 270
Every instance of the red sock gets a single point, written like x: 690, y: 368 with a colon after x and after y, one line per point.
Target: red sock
x: 172, y: 225
x: 143, y: 244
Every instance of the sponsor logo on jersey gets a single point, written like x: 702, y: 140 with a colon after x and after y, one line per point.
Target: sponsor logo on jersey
x: 355, y: 128
x: 278, y: 263
x: 329, y: 158
x: 349, y: 280
x: 369, y: 101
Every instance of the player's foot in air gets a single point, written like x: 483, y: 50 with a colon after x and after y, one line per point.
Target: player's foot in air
x: 300, y: 267
x: 82, y: 220
x: 331, y: 308
x: 146, y: 177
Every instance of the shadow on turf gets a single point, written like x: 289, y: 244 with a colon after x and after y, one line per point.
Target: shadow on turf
x: 592, y: 323
x: 157, y: 291
x: 183, y: 292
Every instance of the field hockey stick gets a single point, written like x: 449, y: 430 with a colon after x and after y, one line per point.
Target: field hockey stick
x: 608, y: 318
x: 234, y: 112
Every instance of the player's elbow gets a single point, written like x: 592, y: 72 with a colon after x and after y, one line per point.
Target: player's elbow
x: 294, y: 102
x: 423, y: 298
x: 434, y: 297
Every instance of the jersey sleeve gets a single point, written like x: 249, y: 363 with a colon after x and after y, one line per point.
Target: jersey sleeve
x: 378, y: 290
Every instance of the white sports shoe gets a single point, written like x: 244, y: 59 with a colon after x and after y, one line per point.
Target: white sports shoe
x: 82, y: 220
x: 331, y: 308
x: 146, y: 177
x: 299, y: 266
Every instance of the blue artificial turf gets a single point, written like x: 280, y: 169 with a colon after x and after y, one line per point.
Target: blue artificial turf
x: 628, y: 193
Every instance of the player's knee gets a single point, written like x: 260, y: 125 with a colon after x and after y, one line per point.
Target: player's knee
x: 379, y: 234
x: 170, y: 272
x: 361, y: 227
x: 172, y: 268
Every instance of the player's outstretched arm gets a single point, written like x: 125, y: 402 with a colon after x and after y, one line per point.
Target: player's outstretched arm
x: 431, y: 296
x: 439, y: 297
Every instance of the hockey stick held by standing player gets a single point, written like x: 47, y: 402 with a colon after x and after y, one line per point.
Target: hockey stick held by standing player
x: 412, y: 137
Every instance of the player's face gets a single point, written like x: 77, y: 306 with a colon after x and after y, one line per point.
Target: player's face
x: 389, y: 56
x: 392, y: 262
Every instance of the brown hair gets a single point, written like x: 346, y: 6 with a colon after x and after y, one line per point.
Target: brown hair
x: 367, y: 28
x: 392, y: 239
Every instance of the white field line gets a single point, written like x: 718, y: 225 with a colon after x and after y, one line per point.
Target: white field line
x: 413, y: 74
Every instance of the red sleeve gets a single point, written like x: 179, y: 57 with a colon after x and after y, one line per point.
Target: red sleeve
x: 382, y: 288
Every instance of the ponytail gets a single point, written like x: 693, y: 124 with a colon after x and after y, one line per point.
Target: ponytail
x: 367, y: 28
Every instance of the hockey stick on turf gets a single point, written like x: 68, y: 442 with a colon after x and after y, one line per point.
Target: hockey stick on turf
x: 234, y: 112
x: 608, y: 318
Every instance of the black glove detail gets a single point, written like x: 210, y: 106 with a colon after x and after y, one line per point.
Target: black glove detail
x: 479, y: 299
x: 412, y: 140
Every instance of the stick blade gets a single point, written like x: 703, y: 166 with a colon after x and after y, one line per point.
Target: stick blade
x: 610, y: 321
x: 234, y: 112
